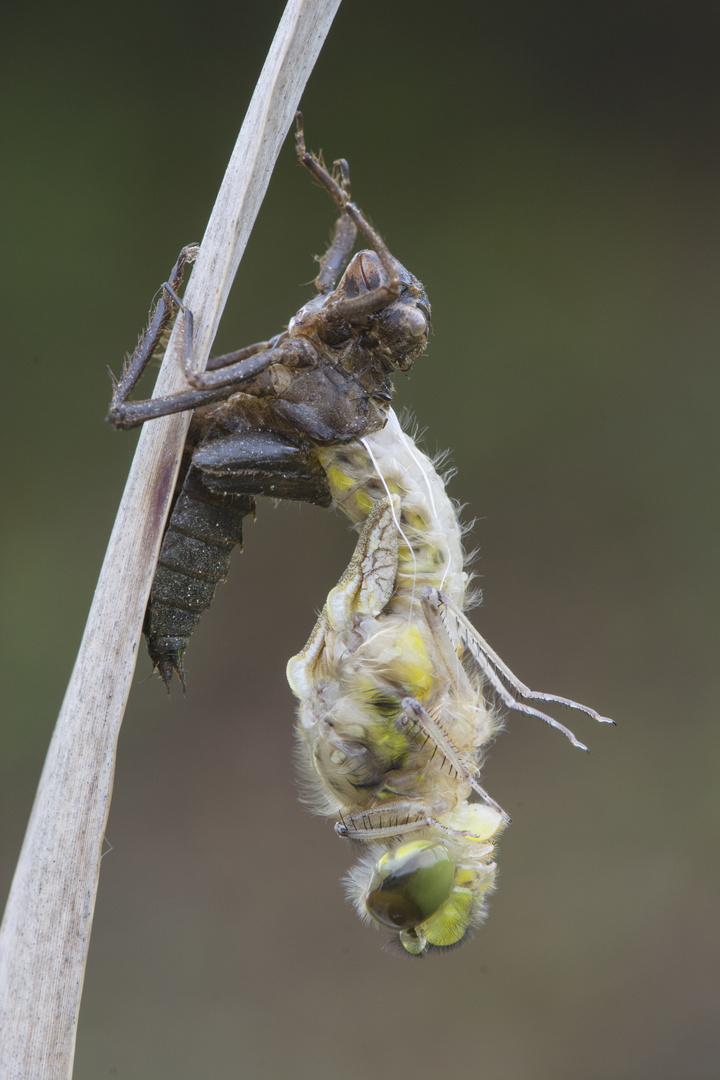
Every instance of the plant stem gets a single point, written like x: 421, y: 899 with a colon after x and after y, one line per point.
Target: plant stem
x: 45, y: 933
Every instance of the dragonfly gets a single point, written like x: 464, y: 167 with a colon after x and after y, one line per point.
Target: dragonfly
x: 399, y: 698
x: 399, y: 695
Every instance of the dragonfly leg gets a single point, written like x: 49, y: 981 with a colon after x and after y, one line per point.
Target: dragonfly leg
x: 160, y: 316
x: 422, y: 719
x: 466, y: 639
x: 244, y: 362
x: 337, y: 256
x: 388, y: 290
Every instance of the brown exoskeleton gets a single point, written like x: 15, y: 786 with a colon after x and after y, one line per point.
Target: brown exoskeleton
x: 264, y: 413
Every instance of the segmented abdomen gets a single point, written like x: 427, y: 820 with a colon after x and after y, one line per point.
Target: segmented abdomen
x: 204, y: 528
x: 387, y: 463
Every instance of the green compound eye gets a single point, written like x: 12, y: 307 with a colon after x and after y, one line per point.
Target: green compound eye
x: 410, y: 883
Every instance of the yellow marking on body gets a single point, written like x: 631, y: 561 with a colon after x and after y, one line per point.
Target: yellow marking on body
x: 339, y: 479
x: 449, y: 925
x: 416, y: 521
x: 477, y: 820
x: 363, y: 501
x: 391, y: 743
x: 411, y: 664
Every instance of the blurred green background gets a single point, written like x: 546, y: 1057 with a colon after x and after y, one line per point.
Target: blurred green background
x: 552, y: 173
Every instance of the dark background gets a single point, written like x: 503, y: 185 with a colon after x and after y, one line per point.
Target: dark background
x: 552, y: 173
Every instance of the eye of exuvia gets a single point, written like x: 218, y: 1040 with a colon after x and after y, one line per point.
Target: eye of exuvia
x: 410, y: 883
x: 364, y: 273
x: 403, y: 326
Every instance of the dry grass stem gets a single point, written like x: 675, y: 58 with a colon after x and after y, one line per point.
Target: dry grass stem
x: 46, y: 930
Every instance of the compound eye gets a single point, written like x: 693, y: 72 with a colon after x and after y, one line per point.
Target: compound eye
x: 410, y: 883
x: 402, y: 329
x: 403, y: 324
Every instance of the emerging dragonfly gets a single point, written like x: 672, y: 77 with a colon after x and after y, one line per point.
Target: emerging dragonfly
x: 393, y: 716
x: 392, y: 684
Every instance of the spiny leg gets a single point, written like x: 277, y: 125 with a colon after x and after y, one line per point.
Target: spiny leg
x: 244, y: 363
x: 133, y: 413
x: 223, y: 374
x: 215, y: 363
x: 383, y: 294
x: 160, y: 316
x: 216, y: 385
x: 439, y: 610
x: 230, y: 368
x: 374, y: 825
x: 337, y: 256
x: 415, y: 713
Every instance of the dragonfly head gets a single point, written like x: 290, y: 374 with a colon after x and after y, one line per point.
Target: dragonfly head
x: 424, y: 891
x: 395, y: 328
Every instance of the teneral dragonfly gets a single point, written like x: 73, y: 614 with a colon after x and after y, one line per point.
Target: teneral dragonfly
x: 399, y: 699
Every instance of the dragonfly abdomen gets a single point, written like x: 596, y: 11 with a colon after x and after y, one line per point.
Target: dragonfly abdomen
x: 204, y: 528
x: 388, y: 462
